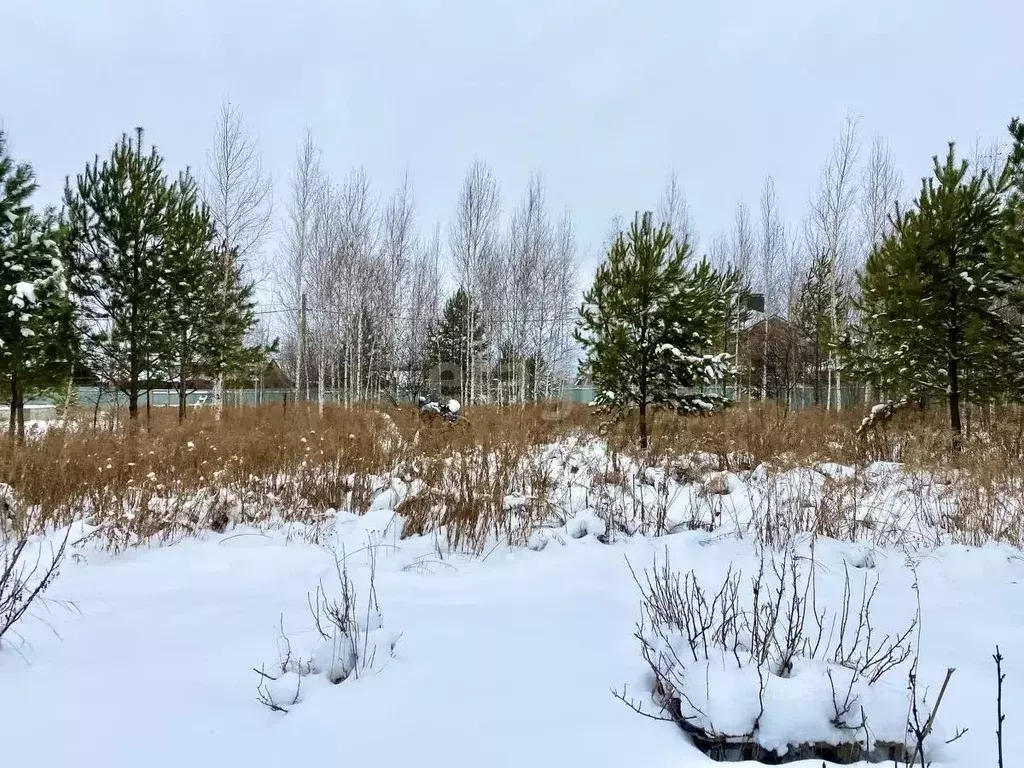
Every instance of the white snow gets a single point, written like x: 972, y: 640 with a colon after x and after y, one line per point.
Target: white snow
x: 23, y: 293
x: 509, y: 659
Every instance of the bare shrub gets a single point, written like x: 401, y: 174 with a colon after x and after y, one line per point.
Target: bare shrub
x: 350, y: 640
x: 24, y: 577
x: 690, y: 635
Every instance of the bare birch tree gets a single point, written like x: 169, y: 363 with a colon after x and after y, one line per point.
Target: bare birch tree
x: 833, y: 222
x: 323, y: 285
x: 237, y: 190
x: 240, y: 198
x: 398, y: 244
x: 773, y: 243
x: 530, y: 274
x: 744, y: 248
x: 360, y: 274
x: 305, y: 194
x: 474, y: 244
x: 880, y: 189
x: 674, y: 210
x: 424, y: 305
x: 566, y: 295
x: 989, y: 157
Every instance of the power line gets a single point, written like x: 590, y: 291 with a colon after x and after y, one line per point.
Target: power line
x: 406, y: 317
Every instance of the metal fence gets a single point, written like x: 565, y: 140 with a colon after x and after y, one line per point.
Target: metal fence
x: 799, y: 398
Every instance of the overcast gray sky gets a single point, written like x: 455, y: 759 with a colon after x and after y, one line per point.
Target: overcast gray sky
x: 602, y: 97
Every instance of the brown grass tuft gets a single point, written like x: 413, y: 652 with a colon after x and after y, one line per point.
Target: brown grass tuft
x: 487, y: 476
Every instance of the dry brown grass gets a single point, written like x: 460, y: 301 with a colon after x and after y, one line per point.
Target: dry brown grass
x: 166, y: 480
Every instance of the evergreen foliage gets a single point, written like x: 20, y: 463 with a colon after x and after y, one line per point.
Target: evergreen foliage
x: 161, y: 301
x: 118, y: 212
x: 209, y: 309
x: 938, y: 296
x: 649, y: 322
x: 449, y: 351
x: 37, y: 329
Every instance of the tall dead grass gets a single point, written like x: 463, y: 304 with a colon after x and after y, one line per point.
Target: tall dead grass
x: 167, y: 479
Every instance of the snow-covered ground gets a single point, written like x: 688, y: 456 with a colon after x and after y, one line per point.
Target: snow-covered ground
x: 509, y: 659
x: 171, y: 654
x: 38, y: 418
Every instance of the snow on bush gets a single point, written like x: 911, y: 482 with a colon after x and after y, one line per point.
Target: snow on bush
x: 8, y: 510
x: 476, y: 496
x: 763, y: 669
x: 352, y: 643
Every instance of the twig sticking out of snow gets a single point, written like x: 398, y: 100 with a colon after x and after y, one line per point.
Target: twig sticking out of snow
x: 921, y: 730
x: 1000, y: 717
x: 349, y: 641
x: 23, y: 579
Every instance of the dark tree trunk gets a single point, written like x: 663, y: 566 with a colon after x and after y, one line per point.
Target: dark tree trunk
x: 644, y: 438
x: 21, y: 414
x: 953, y: 363
x: 182, y: 390
x: 96, y: 410
x: 16, y: 422
x: 13, y: 419
x: 133, y: 400
x: 955, y: 425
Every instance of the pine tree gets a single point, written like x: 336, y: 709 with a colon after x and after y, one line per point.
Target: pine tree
x: 648, y: 322
x: 935, y: 293
x: 208, y: 311
x: 1008, y: 252
x: 37, y: 330
x: 118, y: 213
x: 448, y: 342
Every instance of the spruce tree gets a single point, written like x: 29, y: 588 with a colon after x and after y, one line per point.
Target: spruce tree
x: 37, y: 330
x: 446, y: 356
x: 935, y: 295
x: 649, y: 322
x: 118, y: 213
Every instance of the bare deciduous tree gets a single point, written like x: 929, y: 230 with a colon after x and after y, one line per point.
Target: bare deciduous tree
x: 424, y: 304
x: 565, y: 282
x: 719, y: 257
x: 306, y: 194
x: 240, y: 198
x: 832, y: 227
x: 744, y: 248
x: 236, y: 189
x: 674, y: 210
x: 398, y: 248
x: 359, y: 271
x: 881, y: 187
x: 474, y: 244
x: 989, y: 157
x: 773, y: 244
x: 529, y: 257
